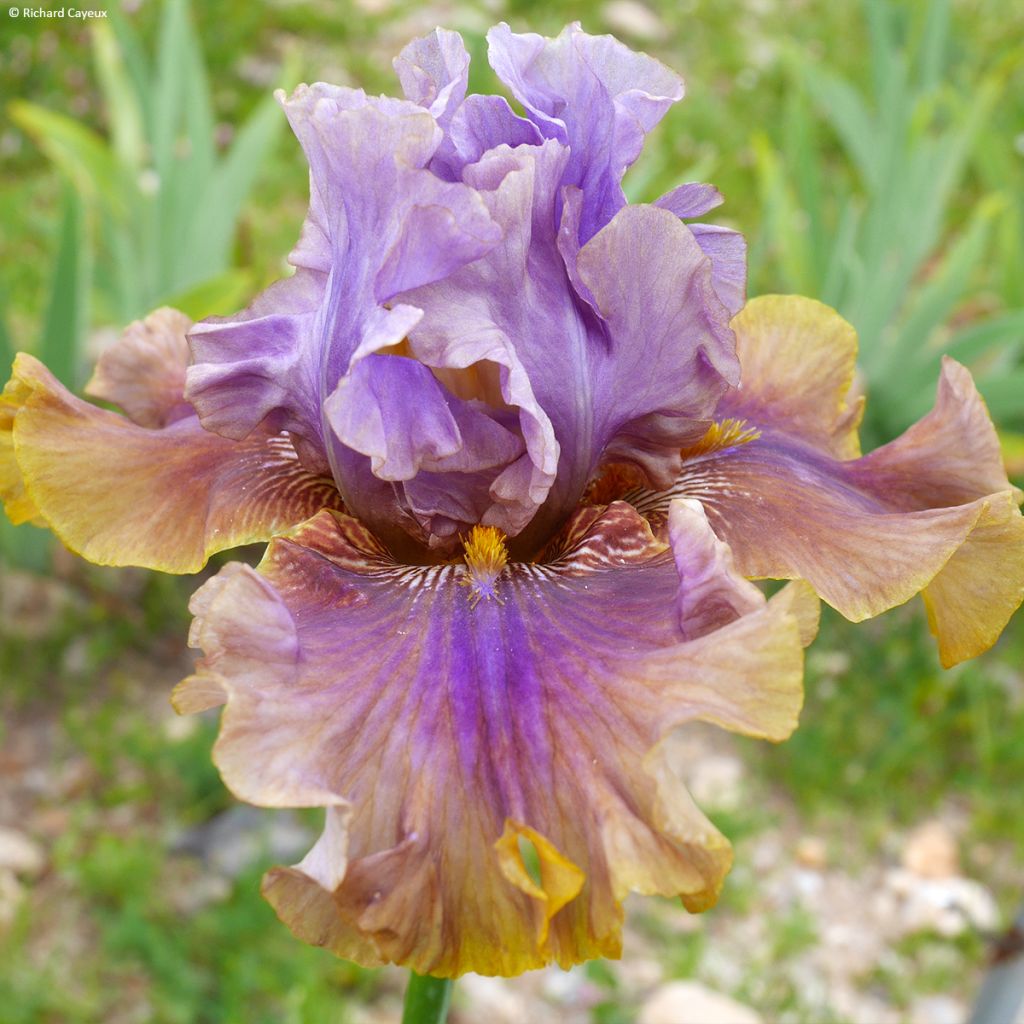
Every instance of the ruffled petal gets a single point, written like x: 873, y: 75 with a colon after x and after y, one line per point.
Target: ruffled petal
x: 390, y: 224
x: 18, y: 506
x: 672, y: 352
x: 693, y: 199
x: 144, y: 372
x: 120, y: 493
x: 486, y: 225
x: 484, y: 123
x: 379, y: 223
x: 949, y: 457
x: 970, y: 602
x: 630, y: 377
x: 434, y: 72
x: 488, y: 329
x: 711, y: 592
x: 257, y: 368
x: 798, y: 359
x: 456, y: 737
x: 393, y: 410
x: 787, y: 514
x: 593, y: 94
x: 932, y: 512
x: 727, y: 250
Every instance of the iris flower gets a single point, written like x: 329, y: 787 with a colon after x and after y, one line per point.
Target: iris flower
x: 518, y: 447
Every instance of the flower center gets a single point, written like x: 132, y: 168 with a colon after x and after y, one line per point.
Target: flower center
x: 623, y: 482
x: 727, y: 433
x: 486, y: 555
x: 613, y: 482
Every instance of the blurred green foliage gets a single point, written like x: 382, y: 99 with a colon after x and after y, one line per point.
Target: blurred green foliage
x: 893, y: 737
x: 163, y: 204
x: 886, y: 248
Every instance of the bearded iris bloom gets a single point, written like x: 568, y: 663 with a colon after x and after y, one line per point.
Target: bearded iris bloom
x: 518, y: 447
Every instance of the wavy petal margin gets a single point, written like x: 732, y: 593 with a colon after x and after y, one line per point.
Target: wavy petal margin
x: 434, y: 72
x: 18, y: 506
x: 932, y: 512
x: 492, y: 768
x: 160, y: 492
x: 595, y: 95
x: 379, y: 223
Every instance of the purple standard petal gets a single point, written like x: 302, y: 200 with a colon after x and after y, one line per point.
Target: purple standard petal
x: 434, y: 72
x: 394, y: 224
x: 595, y: 95
x: 727, y: 250
x: 380, y: 223
x: 671, y: 354
x: 691, y: 200
x: 505, y: 325
x: 483, y: 123
x: 600, y: 98
x: 483, y: 280
x: 632, y: 375
x: 259, y: 366
x: 445, y: 713
x: 393, y: 410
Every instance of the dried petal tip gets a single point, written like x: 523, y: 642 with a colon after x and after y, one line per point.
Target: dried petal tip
x: 486, y: 556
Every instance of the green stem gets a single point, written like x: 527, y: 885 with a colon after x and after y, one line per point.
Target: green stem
x: 426, y: 1000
